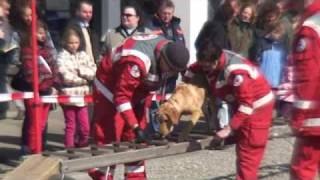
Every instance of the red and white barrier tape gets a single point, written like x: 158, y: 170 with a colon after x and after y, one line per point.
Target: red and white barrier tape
x: 15, y: 96
x: 67, y: 99
x: 47, y: 99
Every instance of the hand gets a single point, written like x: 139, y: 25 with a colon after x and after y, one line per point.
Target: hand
x: 140, y: 135
x: 224, y: 133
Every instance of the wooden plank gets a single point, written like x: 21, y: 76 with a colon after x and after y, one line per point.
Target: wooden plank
x: 135, y: 155
x: 35, y: 167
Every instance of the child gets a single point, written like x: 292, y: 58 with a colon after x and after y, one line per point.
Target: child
x: 46, y: 80
x: 271, y: 56
x: 76, y: 71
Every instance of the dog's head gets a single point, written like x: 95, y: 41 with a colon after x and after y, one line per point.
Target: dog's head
x: 168, y: 116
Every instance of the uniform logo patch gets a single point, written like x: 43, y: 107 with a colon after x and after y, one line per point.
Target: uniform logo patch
x: 238, y: 80
x: 301, y: 45
x: 135, y: 71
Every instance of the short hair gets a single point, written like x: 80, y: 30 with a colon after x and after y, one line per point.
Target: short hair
x: 208, y: 51
x: 81, y: 2
x: 133, y: 5
x: 166, y: 4
x: 137, y: 8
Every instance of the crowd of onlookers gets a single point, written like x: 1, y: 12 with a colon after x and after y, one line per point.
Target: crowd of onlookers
x: 263, y: 32
x: 67, y: 67
x: 260, y: 31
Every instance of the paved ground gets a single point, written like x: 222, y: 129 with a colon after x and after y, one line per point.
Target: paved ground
x: 201, y: 165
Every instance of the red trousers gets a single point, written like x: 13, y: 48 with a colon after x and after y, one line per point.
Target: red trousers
x: 306, y: 158
x: 28, y: 131
x: 108, y: 126
x: 252, y: 138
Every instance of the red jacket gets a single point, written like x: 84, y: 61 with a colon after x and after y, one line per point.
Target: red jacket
x: 306, y: 57
x: 238, y: 82
x: 45, y: 65
x: 131, y: 73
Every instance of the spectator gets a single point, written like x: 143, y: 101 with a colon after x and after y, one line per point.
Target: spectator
x: 81, y: 22
x: 9, y: 63
x: 216, y: 29
x: 241, y: 30
x: 131, y: 23
x: 21, y: 18
x: 286, y: 16
x: 46, y: 79
x: 285, y: 91
x: 166, y: 24
x: 76, y: 71
x: 270, y: 50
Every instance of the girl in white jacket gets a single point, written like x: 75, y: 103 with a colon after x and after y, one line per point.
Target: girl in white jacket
x: 76, y: 71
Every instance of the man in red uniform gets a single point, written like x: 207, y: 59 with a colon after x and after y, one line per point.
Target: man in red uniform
x: 235, y: 80
x: 124, y: 81
x: 306, y: 112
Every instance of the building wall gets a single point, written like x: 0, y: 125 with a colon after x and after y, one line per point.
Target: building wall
x: 193, y: 15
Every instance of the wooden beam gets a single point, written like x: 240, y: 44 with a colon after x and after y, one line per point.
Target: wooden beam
x: 135, y: 155
x: 35, y: 167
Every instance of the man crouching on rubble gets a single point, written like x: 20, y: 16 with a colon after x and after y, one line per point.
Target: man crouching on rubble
x: 235, y: 80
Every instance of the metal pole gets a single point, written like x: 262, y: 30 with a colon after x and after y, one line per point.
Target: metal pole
x: 36, y: 137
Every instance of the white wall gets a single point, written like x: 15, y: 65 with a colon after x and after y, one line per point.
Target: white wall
x: 110, y: 15
x: 193, y: 14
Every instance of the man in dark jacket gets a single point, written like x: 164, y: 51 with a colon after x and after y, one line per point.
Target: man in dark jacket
x: 81, y: 22
x: 166, y: 24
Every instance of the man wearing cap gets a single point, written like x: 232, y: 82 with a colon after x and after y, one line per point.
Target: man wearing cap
x: 235, y: 80
x: 123, y: 82
x: 306, y: 112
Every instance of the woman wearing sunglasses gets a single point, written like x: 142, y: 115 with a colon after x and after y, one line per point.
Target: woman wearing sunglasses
x: 131, y: 23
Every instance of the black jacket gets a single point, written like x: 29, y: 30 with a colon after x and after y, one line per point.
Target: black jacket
x: 171, y: 31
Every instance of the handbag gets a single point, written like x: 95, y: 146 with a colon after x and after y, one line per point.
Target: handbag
x: 19, y: 83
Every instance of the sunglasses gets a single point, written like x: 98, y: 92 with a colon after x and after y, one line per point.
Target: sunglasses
x: 127, y: 15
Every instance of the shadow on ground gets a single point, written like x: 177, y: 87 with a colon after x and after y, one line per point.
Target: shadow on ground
x: 9, y: 157
x: 14, y: 140
x: 265, y: 172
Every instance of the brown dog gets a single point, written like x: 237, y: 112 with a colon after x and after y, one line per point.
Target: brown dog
x: 188, y: 98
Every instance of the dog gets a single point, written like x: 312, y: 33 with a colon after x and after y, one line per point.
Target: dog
x: 188, y: 98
